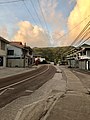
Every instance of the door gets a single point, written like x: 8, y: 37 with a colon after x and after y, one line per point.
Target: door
x: 1, y: 61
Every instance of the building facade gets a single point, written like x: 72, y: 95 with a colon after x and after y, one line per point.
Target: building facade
x: 3, y: 51
x: 18, y: 55
x: 80, y: 58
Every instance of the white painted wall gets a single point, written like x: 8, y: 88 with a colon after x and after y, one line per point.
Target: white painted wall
x: 17, y: 51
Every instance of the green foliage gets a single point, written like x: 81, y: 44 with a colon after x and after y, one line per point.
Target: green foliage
x: 52, y: 53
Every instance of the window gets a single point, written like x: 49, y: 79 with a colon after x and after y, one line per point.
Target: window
x: 10, y: 52
x: 2, y: 45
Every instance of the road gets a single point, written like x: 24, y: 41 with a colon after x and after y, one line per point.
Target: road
x: 24, y: 84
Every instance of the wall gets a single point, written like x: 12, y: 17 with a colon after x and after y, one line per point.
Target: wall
x: 82, y: 64
x: 17, y: 51
x: 15, y: 62
x: 88, y: 53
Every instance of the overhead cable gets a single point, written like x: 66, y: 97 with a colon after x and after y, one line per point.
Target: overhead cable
x: 29, y: 12
x: 74, y: 27
x: 14, y: 1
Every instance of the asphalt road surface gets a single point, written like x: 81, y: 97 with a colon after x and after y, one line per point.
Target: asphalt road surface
x: 24, y: 84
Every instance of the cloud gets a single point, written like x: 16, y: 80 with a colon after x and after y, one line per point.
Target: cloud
x: 53, y: 17
x: 56, y: 36
x: 4, y: 32
x: 78, y: 14
x: 32, y: 35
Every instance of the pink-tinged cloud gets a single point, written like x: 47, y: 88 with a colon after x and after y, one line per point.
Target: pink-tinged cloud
x: 78, y: 14
x: 32, y: 35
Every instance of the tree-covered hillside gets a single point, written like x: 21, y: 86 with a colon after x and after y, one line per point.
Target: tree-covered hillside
x: 52, y: 53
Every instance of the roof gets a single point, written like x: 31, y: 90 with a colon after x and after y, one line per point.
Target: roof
x: 20, y: 45
x: 4, y: 40
x: 17, y: 44
x: 85, y: 46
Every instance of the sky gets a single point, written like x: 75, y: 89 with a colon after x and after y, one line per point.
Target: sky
x: 43, y: 23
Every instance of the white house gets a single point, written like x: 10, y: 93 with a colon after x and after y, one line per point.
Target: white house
x: 80, y: 58
x: 18, y: 55
x: 3, y: 51
x: 84, y: 57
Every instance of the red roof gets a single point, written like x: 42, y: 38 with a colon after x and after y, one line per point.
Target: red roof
x: 17, y: 44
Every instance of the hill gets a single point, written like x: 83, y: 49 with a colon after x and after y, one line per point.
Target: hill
x: 52, y: 53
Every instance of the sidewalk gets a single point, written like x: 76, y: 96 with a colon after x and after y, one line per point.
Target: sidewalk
x: 75, y: 104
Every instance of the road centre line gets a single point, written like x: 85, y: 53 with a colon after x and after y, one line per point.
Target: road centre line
x: 23, y: 80
x: 3, y: 91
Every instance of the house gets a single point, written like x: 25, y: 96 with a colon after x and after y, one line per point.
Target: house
x: 18, y: 55
x: 3, y: 51
x: 84, y: 57
x: 80, y: 57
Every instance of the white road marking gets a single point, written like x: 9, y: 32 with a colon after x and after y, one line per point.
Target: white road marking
x: 3, y: 91
x: 23, y: 80
x: 28, y: 91
x: 11, y: 88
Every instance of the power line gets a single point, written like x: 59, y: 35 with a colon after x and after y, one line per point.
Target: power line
x: 78, y: 36
x: 43, y: 15
x: 84, y: 41
x: 29, y: 11
x: 15, y: 1
x: 38, y: 19
x: 85, y: 35
x: 36, y: 12
x: 74, y: 27
x: 11, y: 1
x: 43, y: 18
x: 81, y: 33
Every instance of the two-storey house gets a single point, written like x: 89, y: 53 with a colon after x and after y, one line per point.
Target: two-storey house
x: 18, y: 55
x: 80, y: 57
x: 84, y: 57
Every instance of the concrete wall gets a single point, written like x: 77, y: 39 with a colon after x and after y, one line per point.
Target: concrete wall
x: 88, y: 53
x: 11, y: 62
x: 71, y: 63
x: 82, y: 64
x: 15, y: 62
